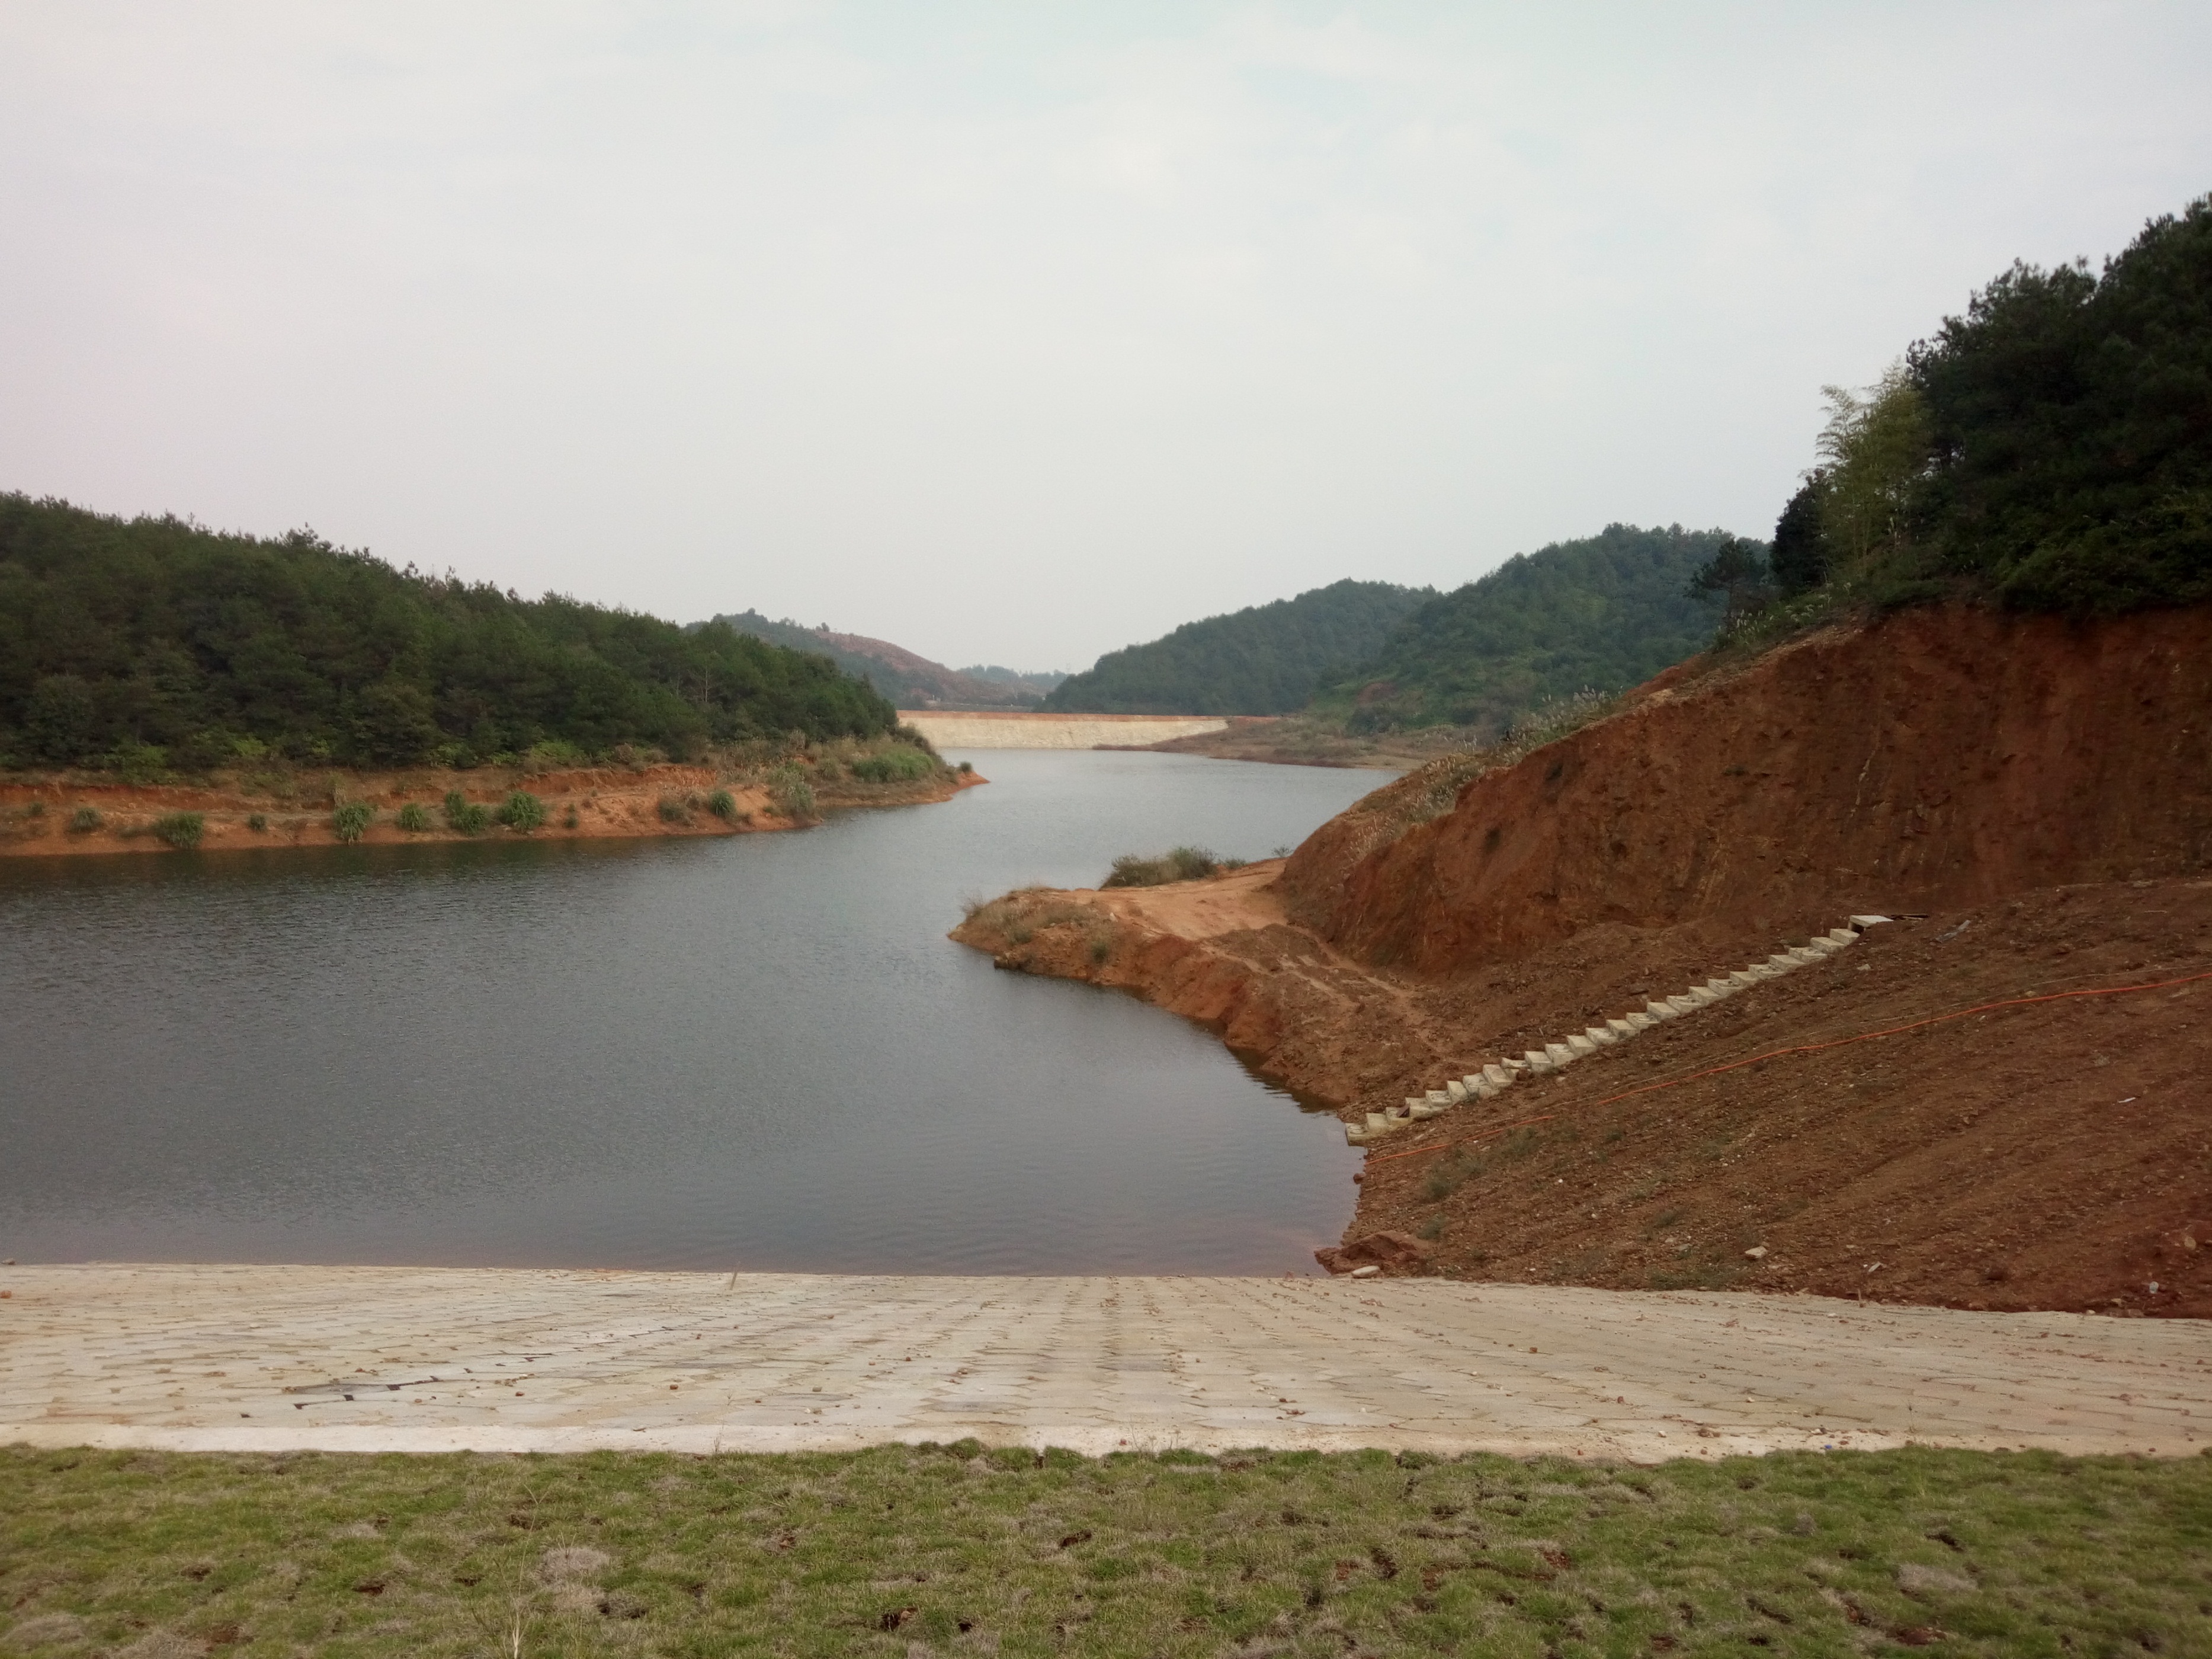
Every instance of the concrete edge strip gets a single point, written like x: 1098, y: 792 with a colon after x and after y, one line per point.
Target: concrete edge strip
x: 1495, y: 1077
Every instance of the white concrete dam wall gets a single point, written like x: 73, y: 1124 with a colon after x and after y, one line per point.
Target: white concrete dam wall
x: 982, y: 731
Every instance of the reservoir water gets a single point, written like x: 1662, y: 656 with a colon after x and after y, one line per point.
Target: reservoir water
x: 754, y: 1052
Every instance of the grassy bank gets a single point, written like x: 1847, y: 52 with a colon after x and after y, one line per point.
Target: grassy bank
x: 902, y: 1550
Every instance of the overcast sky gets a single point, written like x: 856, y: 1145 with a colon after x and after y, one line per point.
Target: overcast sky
x: 1017, y: 331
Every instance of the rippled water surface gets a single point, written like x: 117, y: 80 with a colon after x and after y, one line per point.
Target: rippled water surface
x: 754, y: 1052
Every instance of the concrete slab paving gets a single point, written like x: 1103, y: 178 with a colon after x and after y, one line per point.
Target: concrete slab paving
x: 212, y: 1357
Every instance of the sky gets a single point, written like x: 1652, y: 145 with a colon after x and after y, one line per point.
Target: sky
x: 1016, y: 332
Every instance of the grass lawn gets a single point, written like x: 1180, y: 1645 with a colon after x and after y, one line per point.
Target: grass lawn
x: 926, y: 1550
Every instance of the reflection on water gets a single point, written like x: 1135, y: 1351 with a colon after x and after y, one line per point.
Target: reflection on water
x: 757, y: 1052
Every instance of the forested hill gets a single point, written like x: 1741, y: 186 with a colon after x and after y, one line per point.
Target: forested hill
x: 908, y: 678
x: 1266, y: 660
x: 1603, y: 613
x: 155, y: 642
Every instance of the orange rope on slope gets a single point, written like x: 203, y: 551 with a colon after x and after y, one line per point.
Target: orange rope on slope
x: 1809, y: 1049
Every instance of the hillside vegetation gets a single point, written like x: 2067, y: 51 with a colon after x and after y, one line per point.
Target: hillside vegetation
x: 1264, y: 660
x: 1600, y: 614
x: 2050, y: 449
x: 151, y: 643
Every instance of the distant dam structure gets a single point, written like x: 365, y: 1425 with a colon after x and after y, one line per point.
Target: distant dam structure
x: 952, y: 730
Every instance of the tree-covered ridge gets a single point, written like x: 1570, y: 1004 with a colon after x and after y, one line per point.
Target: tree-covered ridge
x: 2051, y: 449
x: 1265, y: 660
x: 155, y: 641
x: 1603, y: 613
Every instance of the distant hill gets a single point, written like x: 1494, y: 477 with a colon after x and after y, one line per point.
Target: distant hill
x: 148, y: 644
x: 1265, y: 660
x: 908, y: 679
x: 1039, y: 683
x: 1606, y: 613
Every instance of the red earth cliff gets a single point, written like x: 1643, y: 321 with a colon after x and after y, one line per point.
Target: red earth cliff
x: 1941, y: 756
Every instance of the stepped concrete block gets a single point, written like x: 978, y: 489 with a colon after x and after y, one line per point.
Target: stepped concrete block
x: 1456, y: 1091
x: 1658, y: 1011
x: 1720, y: 986
x: 1496, y: 1076
x: 1822, y: 944
x: 1685, y: 1004
x: 1701, y: 996
x: 1354, y: 1135
x: 1439, y: 1097
x: 1604, y: 1035
x: 1639, y: 1021
x: 1622, y: 1028
x: 1805, y: 956
x: 1865, y: 922
x: 1843, y: 936
x: 1426, y: 1109
x: 1376, y: 1124
x: 1580, y: 1046
x: 1516, y: 1066
x: 1784, y: 961
x: 1743, y: 980
x: 1560, y: 1054
x: 1412, y: 1101
x: 1538, y: 1060
x: 1764, y: 971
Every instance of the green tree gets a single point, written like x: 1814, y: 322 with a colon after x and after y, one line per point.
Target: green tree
x: 1737, y: 575
x: 1799, y: 561
x: 1875, y: 449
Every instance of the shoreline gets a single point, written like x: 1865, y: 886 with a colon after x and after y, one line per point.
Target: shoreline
x: 580, y: 804
x: 1663, y: 1192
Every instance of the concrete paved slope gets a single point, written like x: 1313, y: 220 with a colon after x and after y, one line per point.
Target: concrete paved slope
x: 382, y: 1358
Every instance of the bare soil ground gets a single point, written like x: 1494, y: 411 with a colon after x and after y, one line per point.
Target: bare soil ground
x: 2056, y: 1155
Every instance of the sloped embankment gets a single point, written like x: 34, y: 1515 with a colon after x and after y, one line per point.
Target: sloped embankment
x: 1945, y: 755
x: 2045, y: 805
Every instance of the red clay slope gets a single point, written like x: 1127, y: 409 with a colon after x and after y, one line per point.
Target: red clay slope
x: 1941, y: 757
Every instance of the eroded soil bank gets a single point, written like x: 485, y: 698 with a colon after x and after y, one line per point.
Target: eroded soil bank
x: 2038, y: 824
x: 41, y: 816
